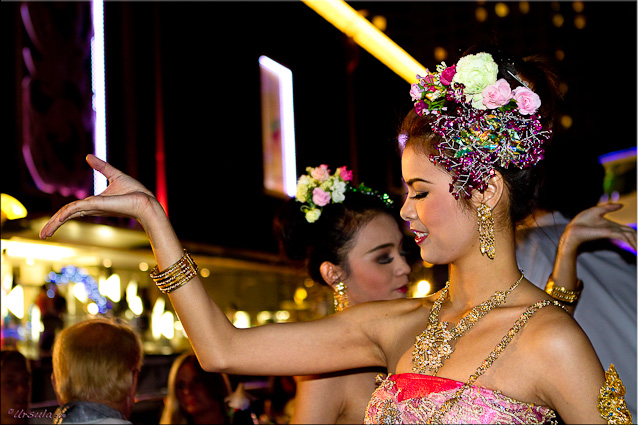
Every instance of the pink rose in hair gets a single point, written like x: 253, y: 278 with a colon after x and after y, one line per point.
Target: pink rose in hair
x: 528, y: 101
x: 497, y: 94
x: 320, y: 173
x: 447, y: 75
x: 320, y: 197
x: 345, y: 174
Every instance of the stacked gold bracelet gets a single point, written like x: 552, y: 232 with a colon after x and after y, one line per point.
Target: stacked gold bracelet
x: 176, y: 275
x: 561, y: 293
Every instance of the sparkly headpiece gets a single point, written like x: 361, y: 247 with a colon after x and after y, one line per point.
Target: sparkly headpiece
x: 319, y: 188
x: 490, y: 125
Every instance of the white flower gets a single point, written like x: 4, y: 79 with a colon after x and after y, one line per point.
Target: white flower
x: 476, y: 72
x: 313, y: 215
x: 303, y: 185
x: 338, y: 191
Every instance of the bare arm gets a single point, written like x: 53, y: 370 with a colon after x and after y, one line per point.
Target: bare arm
x: 319, y: 399
x: 335, y: 343
x: 588, y: 225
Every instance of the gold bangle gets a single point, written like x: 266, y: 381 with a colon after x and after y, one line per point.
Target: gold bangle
x: 561, y: 293
x: 176, y: 275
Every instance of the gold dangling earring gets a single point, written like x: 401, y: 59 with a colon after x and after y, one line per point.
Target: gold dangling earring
x: 341, y: 297
x: 486, y: 231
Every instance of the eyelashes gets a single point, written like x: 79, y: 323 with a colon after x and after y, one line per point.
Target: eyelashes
x: 421, y: 195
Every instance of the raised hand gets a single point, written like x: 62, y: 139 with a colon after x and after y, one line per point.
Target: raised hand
x: 591, y: 224
x: 124, y: 196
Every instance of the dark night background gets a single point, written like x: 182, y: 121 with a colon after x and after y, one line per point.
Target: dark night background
x: 209, y: 78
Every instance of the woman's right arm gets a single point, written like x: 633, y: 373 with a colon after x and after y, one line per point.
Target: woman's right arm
x: 337, y: 342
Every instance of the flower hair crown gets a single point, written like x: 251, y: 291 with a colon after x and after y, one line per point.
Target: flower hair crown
x: 491, y: 124
x: 319, y: 188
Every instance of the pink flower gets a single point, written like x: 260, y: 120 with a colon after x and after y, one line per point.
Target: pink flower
x: 497, y: 94
x: 345, y: 174
x: 527, y: 101
x: 320, y: 197
x: 415, y: 91
x: 320, y: 173
x: 428, y: 83
x: 447, y: 75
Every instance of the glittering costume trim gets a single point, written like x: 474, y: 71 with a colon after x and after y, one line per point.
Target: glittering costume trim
x: 463, y: 403
x: 611, y: 400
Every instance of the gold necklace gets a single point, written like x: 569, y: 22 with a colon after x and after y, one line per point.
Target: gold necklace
x: 432, y: 346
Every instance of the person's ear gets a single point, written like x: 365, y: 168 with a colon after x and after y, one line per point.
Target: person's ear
x: 492, y: 194
x: 331, y: 273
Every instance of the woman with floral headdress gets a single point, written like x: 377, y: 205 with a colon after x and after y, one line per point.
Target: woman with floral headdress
x: 349, y: 238
x: 488, y: 348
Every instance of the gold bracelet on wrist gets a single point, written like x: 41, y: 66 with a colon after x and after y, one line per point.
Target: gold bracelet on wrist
x: 561, y: 293
x: 176, y: 275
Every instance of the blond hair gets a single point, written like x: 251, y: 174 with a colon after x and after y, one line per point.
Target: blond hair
x: 94, y: 360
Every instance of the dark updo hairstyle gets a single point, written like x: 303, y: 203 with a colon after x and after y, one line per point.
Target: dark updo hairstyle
x: 541, y: 77
x: 329, y: 238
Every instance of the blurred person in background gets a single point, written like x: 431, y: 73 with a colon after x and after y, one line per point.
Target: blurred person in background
x: 16, y: 387
x: 96, y: 364
x: 194, y: 395
x: 568, y: 243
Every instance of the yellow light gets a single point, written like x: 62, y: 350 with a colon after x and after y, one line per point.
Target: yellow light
x: 204, y: 272
x: 440, y: 54
x: 107, y: 263
x: 560, y: 55
x: 524, y: 7
x: 501, y: 10
x: 578, y: 6
x: 422, y: 289
x: 167, y: 324
x: 580, y: 22
x: 15, y: 301
x: 12, y: 209
x: 366, y: 35
x: 282, y: 315
x: 558, y: 20
x: 79, y: 291
x: 143, y: 266
x: 92, y: 308
x: 481, y: 14
x: 36, y: 323
x: 300, y: 295
x: 263, y: 317
x: 566, y: 121
x: 156, y: 315
x: 241, y: 320
x: 38, y: 251
x: 380, y: 22
x: 112, y: 288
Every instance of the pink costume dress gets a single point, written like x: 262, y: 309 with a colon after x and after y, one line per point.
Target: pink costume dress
x: 411, y: 398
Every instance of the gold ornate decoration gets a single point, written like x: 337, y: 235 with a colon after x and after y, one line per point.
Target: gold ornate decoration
x: 561, y: 293
x: 341, y: 297
x: 176, y: 275
x: 611, y: 400
x: 432, y: 346
x: 486, y: 230
x: 437, y: 418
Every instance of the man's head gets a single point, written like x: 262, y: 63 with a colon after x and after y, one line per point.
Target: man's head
x: 97, y: 360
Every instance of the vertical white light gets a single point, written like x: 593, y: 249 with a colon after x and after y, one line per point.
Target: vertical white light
x: 287, y: 114
x: 99, y: 91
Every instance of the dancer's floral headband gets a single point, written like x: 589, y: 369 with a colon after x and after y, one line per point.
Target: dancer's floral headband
x: 319, y: 188
x: 492, y: 124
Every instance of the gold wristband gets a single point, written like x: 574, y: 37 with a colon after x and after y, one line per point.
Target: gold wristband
x: 561, y: 293
x: 176, y: 275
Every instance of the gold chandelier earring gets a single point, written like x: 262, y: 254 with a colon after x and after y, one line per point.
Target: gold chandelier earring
x: 341, y: 296
x: 486, y: 231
